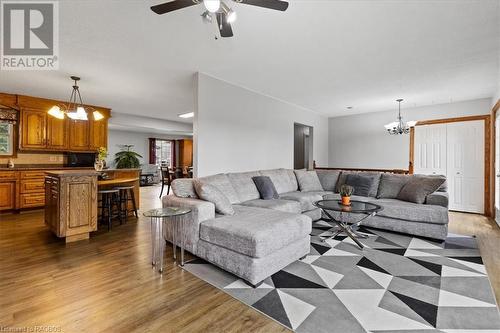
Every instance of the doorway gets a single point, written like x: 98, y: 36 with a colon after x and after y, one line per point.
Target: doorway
x: 303, y: 146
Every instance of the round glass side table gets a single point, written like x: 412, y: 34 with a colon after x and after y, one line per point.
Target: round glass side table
x: 158, y: 218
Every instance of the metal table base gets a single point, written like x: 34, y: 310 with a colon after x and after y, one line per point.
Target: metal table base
x: 343, y: 227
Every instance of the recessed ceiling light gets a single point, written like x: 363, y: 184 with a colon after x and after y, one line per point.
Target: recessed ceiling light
x: 187, y: 115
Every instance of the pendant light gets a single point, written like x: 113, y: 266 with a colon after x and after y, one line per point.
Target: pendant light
x: 74, y: 109
x: 400, y: 127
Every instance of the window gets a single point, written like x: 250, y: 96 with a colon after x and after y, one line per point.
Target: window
x: 6, y: 138
x: 164, y: 153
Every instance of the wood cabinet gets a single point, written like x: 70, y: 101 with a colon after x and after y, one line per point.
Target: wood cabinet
x: 79, y: 136
x: 98, y: 133
x: 8, y: 195
x: 31, y: 189
x: 8, y: 190
x: 38, y: 131
x: 185, y: 153
x: 71, y: 211
x: 33, y: 129
x: 57, y: 133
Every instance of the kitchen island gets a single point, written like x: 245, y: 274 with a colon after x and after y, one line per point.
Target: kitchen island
x: 71, y: 198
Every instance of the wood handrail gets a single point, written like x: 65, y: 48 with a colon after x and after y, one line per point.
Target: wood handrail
x: 397, y: 171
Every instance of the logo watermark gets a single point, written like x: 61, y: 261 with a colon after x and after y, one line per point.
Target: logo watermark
x: 30, y: 35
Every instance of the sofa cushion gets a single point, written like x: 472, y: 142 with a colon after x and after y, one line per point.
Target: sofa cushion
x: 288, y: 206
x: 336, y: 196
x: 221, y: 181
x: 212, y: 194
x: 443, y: 187
x: 438, y: 199
x: 410, y: 211
x: 183, y: 188
x: 364, y: 185
x: 375, y: 175
x: 244, y: 186
x: 265, y: 187
x: 308, y: 181
x: 283, y: 179
x: 255, y: 232
x: 418, y: 188
x: 328, y: 179
x: 306, y: 199
x: 391, y: 184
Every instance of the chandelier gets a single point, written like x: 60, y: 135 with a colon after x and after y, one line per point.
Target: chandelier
x: 400, y: 127
x: 74, y: 109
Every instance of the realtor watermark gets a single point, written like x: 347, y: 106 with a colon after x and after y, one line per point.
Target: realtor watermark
x: 29, y: 35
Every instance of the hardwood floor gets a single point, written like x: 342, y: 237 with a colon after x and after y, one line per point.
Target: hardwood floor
x: 107, y: 284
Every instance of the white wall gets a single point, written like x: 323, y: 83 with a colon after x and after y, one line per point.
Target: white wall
x: 139, y: 140
x: 236, y: 129
x: 360, y: 141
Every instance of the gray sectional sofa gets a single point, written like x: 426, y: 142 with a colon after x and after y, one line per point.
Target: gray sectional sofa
x: 264, y: 236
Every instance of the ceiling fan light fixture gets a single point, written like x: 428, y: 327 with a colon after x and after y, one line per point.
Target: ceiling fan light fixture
x: 212, y: 6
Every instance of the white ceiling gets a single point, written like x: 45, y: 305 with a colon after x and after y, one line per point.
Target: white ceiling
x: 323, y: 55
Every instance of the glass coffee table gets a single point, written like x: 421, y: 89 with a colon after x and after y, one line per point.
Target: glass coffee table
x: 365, y: 209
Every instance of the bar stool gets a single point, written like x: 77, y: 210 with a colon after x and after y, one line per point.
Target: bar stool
x: 126, y: 194
x: 109, y: 200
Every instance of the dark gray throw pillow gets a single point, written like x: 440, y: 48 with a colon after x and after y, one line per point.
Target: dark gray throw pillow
x: 363, y: 184
x: 418, y: 188
x: 265, y: 187
x: 391, y: 184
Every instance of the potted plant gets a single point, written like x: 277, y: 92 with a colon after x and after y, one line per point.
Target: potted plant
x: 100, y: 161
x: 127, y: 158
x: 345, y: 193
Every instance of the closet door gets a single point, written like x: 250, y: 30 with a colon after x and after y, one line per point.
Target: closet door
x: 465, y: 165
x: 430, y: 150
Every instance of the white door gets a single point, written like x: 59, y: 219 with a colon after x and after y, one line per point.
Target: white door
x: 430, y: 150
x: 465, y: 165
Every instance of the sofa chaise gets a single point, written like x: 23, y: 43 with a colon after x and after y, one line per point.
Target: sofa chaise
x: 264, y: 236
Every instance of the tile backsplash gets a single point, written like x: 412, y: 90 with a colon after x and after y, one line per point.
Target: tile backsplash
x: 35, y: 158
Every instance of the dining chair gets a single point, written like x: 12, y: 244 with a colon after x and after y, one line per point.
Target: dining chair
x: 166, y: 179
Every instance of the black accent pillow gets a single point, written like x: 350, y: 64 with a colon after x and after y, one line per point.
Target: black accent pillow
x: 265, y: 187
x: 362, y: 184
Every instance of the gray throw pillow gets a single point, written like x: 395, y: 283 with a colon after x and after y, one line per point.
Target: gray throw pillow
x: 328, y: 179
x: 443, y: 187
x: 418, y: 188
x: 212, y: 194
x: 308, y: 181
x: 183, y: 188
x: 363, y: 184
x: 375, y: 175
x: 391, y: 184
x: 265, y: 187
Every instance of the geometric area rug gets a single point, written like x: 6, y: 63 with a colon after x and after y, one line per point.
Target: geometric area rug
x: 398, y: 283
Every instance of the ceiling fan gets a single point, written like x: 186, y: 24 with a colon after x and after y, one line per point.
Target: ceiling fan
x: 218, y: 8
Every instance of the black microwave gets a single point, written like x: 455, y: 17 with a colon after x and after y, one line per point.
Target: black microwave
x: 80, y: 159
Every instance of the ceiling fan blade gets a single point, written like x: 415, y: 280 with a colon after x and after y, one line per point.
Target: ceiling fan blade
x: 224, y: 26
x: 173, y: 5
x: 270, y: 4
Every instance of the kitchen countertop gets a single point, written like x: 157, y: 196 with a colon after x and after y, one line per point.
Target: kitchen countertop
x: 22, y: 167
x: 28, y: 167
x: 71, y: 173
